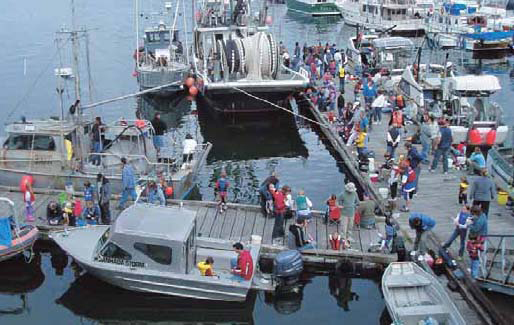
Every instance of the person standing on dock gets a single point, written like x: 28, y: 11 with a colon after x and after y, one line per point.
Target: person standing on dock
x: 462, y: 221
x: 97, y: 138
x: 443, y: 144
x: 408, y: 180
x: 160, y: 128
x: 279, y: 211
x: 415, y: 159
x: 482, y: 191
x: 264, y: 189
x: 128, y: 182
x: 393, y: 140
x: 221, y: 188
x: 348, y: 200
x: 474, y: 247
x: 104, y: 197
x: 378, y: 104
x: 422, y: 224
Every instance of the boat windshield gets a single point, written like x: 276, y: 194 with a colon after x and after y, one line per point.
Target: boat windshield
x: 103, y: 239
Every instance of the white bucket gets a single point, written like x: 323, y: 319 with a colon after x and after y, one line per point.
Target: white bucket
x: 384, y: 192
x: 450, y: 163
x: 371, y: 165
x: 461, y: 160
x: 256, y: 239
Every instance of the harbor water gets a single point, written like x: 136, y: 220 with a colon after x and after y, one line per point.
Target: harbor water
x: 51, y: 289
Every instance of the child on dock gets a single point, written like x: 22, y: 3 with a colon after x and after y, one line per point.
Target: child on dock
x: 221, y: 187
x: 474, y: 246
x: 333, y: 210
x: 463, y: 190
x: 462, y: 221
x: 29, y: 198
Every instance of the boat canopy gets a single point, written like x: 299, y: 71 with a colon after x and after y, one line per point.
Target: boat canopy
x: 483, y: 83
x: 5, y: 231
x: 392, y: 43
x: 489, y: 36
x: 147, y: 220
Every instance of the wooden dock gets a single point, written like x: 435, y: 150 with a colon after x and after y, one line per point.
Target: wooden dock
x: 437, y: 197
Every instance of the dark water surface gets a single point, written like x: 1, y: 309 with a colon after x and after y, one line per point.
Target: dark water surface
x: 50, y: 290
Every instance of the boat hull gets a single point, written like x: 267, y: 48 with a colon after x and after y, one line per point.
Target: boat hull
x: 500, y: 169
x: 28, y: 236
x: 315, y: 9
x: 149, y: 79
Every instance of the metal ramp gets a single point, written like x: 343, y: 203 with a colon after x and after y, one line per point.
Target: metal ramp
x: 497, y: 263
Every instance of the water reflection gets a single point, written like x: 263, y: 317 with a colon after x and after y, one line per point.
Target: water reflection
x: 251, y: 139
x: 17, y: 278
x: 288, y: 300
x: 89, y: 297
x: 341, y: 289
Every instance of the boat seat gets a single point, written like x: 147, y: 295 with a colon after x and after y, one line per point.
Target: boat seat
x: 407, y: 280
x: 432, y: 310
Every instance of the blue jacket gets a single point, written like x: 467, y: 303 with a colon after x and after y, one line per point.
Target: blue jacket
x: 446, y: 137
x: 369, y: 92
x: 127, y: 177
x: 427, y: 223
x: 479, y: 226
x: 478, y: 158
x: 364, y: 123
x: 88, y: 193
x: 414, y: 157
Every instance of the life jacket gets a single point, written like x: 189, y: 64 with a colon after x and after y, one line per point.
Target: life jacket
x: 205, y: 269
x: 474, y: 137
x: 301, y: 203
x: 341, y: 72
x: 222, y: 185
x: 335, y: 242
x: 490, y: 138
x: 77, y: 208
x: 399, y: 101
x: 411, y: 175
x: 88, y: 194
x: 334, y: 212
x: 397, y: 118
x: 279, y: 199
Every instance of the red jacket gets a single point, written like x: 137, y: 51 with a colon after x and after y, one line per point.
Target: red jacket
x: 474, y: 247
x: 245, y: 265
x: 279, y: 201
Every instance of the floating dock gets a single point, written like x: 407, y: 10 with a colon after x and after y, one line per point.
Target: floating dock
x: 437, y: 197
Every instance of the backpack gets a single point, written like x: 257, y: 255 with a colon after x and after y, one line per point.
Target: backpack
x: 397, y: 118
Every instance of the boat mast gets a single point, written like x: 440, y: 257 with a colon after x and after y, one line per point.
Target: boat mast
x: 75, y: 50
x: 136, y: 10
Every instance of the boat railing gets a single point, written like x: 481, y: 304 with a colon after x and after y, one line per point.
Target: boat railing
x: 301, y: 74
x: 497, y: 260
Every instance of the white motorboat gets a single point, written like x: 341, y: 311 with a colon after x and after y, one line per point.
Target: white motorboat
x: 314, y: 8
x: 399, y: 15
x: 155, y: 249
x: 413, y: 297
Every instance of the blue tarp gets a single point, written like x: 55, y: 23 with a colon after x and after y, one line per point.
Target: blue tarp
x: 5, y: 232
x: 454, y: 8
x: 489, y: 36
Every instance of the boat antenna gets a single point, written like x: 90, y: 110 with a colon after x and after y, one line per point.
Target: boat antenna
x: 136, y: 21
x: 75, y: 49
x: 172, y: 31
x: 185, y: 34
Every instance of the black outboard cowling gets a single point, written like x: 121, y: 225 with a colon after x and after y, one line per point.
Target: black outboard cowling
x: 287, y: 267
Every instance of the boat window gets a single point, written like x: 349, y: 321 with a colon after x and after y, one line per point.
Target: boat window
x: 158, y: 253
x: 114, y: 251
x: 43, y: 142
x: 18, y: 142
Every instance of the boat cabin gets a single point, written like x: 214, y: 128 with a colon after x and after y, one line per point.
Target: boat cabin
x: 151, y: 237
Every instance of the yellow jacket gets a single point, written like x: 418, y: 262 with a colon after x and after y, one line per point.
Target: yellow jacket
x: 203, y: 267
x: 361, y: 140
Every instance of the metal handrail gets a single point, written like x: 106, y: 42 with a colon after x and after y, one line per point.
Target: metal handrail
x: 500, y: 249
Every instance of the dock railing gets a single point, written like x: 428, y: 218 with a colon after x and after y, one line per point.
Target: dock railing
x: 497, y: 262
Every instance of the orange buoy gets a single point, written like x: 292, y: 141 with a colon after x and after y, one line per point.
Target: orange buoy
x: 168, y: 191
x: 140, y: 124
x: 193, y: 91
x: 490, y: 138
x: 189, y: 82
x: 474, y: 137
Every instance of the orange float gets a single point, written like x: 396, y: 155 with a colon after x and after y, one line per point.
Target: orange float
x: 189, y: 82
x: 193, y: 91
x: 168, y: 191
x: 490, y: 138
x: 474, y: 137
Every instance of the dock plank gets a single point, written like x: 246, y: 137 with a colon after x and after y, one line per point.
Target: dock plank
x: 228, y: 224
x: 268, y: 229
x: 200, y: 217
x: 260, y: 222
x: 239, y: 224
x: 250, y: 220
x: 218, y: 223
x: 205, y: 230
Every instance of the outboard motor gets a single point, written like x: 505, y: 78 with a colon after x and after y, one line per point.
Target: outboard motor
x: 287, y: 267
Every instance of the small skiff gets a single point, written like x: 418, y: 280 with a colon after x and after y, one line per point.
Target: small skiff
x: 414, y: 296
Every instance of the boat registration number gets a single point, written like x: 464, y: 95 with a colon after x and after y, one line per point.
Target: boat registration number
x: 120, y: 261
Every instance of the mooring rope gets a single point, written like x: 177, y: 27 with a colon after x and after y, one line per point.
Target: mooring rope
x: 282, y: 108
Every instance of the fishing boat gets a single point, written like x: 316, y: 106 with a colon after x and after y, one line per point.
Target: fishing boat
x: 161, y: 60
x: 413, y: 296
x: 14, y: 238
x: 471, y: 110
x: 500, y: 162
x: 379, y: 53
x: 315, y: 8
x: 155, y: 249
x: 56, y: 153
x: 399, y: 15
x: 465, y: 25
x: 239, y: 66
